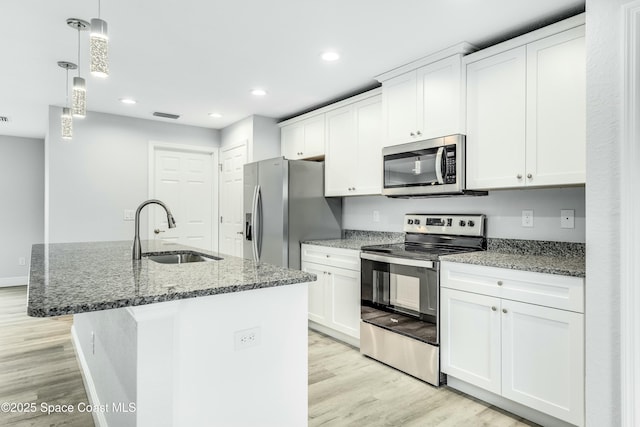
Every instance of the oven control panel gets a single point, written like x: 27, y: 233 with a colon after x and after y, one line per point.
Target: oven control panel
x: 459, y: 225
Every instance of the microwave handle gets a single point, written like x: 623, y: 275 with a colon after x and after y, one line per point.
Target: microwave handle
x: 439, y: 165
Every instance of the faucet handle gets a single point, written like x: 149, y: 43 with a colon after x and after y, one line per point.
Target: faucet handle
x: 158, y: 231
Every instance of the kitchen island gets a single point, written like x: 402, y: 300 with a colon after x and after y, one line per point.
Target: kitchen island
x: 220, y: 342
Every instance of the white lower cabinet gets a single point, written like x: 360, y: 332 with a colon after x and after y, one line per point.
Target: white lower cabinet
x: 334, y: 299
x: 528, y: 353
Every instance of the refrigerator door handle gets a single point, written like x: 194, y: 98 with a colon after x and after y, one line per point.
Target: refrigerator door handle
x: 254, y: 216
x: 258, y: 229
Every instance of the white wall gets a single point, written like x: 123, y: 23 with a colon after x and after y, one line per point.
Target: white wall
x: 503, y: 209
x: 260, y: 134
x: 22, y: 206
x: 604, y: 65
x: 103, y: 170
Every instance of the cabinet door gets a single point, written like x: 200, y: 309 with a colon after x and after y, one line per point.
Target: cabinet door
x: 556, y: 109
x: 341, y: 160
x: 344, y: 307
x: 543, y: 359
x: 439, y: 98
x: 317, y: 293
x: 368, y: 124
x: 292, y: 140
x: 496, y: 88
x: 470, y: 338
x: 399, y: 103
x: 313, y: 137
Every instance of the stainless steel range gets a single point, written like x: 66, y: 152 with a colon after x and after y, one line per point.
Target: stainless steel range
x: 400, y: 291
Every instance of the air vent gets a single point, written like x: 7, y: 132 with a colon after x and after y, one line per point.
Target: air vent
x: 166, y: 115
x: 4, y: 119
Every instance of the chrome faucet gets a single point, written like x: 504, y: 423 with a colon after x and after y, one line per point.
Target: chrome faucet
x: 137, y: 248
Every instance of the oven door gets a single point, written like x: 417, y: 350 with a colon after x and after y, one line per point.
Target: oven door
x: 401, y: 295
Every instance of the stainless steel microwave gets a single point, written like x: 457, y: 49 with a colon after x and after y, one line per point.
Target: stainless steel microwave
x: 432, y: 167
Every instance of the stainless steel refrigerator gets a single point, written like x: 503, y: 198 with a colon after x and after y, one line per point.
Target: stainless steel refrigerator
x: 284, y: 204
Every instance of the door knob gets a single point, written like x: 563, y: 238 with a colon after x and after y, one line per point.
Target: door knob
x: 158, y: 231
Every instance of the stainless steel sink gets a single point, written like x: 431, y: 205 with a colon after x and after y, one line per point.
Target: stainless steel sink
x: 181, y: 257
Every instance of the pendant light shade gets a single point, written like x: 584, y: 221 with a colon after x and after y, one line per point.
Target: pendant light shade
x: 66, y: 120
x: 79, y: 98
x: 99, y: 48
x: 66, y: 123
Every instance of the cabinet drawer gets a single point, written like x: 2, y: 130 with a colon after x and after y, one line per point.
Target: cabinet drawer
x: 336, y: 257
x: 550, y: 290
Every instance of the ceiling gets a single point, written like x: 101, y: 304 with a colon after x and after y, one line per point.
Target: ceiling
x: 193, y: 57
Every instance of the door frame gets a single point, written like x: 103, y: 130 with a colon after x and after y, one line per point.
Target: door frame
x: 153, y: 146
x: 629, y: 209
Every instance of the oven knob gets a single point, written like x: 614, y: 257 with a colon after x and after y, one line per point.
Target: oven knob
x: 410, y: 221
x: 416, y: 222
x: 470, y: 223
x: 462, y: 223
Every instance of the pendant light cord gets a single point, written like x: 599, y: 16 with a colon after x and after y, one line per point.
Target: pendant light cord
x: 67, y: 91
x: 78, y: 51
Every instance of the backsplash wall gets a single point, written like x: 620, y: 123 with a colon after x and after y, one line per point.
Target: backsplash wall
x: 503, y: 209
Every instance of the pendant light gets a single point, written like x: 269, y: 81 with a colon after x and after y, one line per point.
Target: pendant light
x: 99, y: 47
x: 66, y: 121
x: 79, y: 97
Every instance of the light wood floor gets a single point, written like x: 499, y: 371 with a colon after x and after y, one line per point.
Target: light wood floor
x: 38, y: 364
x: 348, y: 389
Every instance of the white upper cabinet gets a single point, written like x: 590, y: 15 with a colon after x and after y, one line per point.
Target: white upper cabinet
x: 526, y: 113
x: 426, y: 99
x: 556, y: 109
x: 496, y: 97
x: 353, y: 162
x: 303, y: 139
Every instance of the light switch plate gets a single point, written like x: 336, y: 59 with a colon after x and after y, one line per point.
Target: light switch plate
x: 567, y: 218
x: 129, y: 214
x: 527, y: 218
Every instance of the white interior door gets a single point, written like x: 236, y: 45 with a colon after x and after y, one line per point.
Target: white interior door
x: 231, y: 188
x: 185, y: 181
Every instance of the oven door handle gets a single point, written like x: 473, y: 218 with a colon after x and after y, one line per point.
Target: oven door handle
x: 397, y: 261
x: 439, y: 165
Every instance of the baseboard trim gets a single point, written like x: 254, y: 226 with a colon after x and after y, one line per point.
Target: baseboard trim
x: 89, y: 386
x: 6, y: 282
x: 355, y: 342
x: 506, y: 404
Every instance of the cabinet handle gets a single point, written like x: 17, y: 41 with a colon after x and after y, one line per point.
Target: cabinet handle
x: 412, y: 134
x: 418, y: 133
x: 529, y: 176
x: 329, y: 273
x: 499, y: 282
x: 519, y: 176
x: 328, y: 256
x: 504, y: 310
x: 493, y: 308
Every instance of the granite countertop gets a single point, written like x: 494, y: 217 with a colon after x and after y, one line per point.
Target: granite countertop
x: 566, y: 259
x: 69, y: 278
x: 356, y: 239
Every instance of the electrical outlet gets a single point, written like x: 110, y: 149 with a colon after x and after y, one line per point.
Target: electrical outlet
x: 527, y: 218
x: 567, y: 219
x: 129, y: 215
x: 247, y: 338
x: 376, y: 216
x: 22, y: 261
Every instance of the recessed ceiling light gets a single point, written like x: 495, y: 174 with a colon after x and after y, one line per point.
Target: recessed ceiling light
x: 128, y: 101
x: 258, y: 92
x: 215, y: 115
x: 330, y: 56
